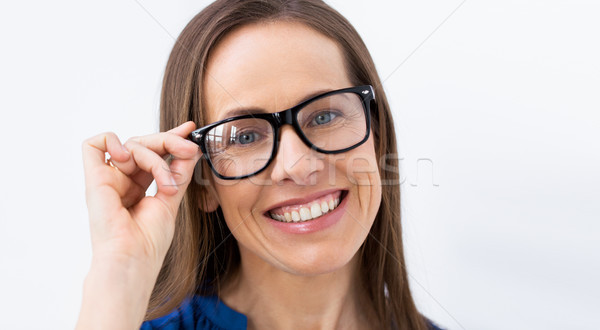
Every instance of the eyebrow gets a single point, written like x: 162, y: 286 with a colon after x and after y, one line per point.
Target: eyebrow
x: 240, y: 111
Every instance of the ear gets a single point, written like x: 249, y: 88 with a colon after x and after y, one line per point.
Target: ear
x: 207, y: 200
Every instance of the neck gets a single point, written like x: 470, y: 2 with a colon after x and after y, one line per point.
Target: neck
x: 274, y: 299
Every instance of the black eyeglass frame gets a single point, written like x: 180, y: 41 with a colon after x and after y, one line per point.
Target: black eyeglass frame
x: 288, y: 116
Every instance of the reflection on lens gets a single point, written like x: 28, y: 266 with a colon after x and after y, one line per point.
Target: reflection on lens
x: 240, y: 147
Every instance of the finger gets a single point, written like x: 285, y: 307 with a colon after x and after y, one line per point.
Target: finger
x: 162, y: 144
x: 184, y: 129
x: 168, y: 143
x: 150, y: 162
x: 183, y: 170
x: 93, y: 152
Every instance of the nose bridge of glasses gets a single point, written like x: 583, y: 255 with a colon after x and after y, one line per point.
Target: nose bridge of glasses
x: 284, y: 117
x: 288, y: 117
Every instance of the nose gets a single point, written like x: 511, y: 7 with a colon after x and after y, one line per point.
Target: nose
x: 295, y: 162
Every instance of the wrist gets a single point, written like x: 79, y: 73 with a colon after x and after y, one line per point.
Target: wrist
x: 116, y: 294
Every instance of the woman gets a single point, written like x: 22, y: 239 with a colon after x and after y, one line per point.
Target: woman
x: 294, y: 125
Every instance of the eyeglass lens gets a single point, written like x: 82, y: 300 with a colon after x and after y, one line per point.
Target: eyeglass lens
x: 244, y: 146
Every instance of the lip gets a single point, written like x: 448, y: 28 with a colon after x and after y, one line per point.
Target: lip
x: 314, y: 225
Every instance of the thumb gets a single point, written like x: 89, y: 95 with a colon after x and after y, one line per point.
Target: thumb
x: 182, y: 171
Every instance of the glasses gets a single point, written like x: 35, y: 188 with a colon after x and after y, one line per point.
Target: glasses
x: 330, y: 123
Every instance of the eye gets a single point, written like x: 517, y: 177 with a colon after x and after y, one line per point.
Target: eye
x: 246, y: 137
x: 324, y: 118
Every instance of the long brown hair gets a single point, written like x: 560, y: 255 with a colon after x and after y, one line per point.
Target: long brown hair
x: 202, y: 253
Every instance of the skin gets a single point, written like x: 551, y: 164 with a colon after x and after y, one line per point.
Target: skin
x: 288, y: 281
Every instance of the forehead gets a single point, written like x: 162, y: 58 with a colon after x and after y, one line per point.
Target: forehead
x: 270, y: 66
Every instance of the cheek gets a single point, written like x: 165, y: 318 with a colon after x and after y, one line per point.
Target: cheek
x: 360, y: 167
x: 237, y: 199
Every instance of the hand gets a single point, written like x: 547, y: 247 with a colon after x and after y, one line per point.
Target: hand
x: 125, y: 224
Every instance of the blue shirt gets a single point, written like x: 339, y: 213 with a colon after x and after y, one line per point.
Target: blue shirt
x: 206, y: 313
x: 199, y: 313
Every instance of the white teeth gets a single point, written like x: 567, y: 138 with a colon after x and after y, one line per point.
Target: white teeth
x: 305, y: 214
x: 324, y: 207
x: 295, y: 216
x: 315, y: 211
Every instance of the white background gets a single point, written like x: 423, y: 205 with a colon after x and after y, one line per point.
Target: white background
x: 502, y: 102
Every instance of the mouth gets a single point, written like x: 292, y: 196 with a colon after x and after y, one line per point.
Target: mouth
x: 314, y: 209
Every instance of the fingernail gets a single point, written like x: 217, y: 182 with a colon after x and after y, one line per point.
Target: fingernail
x: 125, y: 149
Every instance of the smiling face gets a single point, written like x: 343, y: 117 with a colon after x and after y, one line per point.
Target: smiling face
x: 274, y: 66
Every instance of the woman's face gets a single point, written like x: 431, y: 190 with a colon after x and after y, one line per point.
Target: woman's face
x: 272, y: 67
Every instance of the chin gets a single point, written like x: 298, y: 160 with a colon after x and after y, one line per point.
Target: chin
x: 317, y: 262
